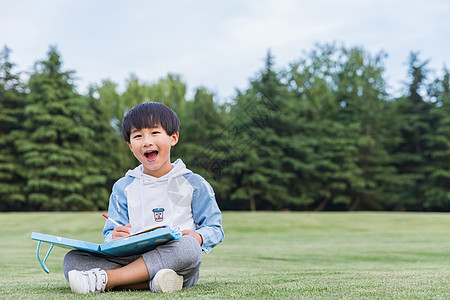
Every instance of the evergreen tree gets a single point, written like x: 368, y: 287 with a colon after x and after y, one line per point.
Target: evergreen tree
x: 55, y: 153
x: 415, y: 123
x: 340, y: 95
x: 198, y: 130
x: 325, y: 155
x: 11, y: 121
x: 362, y: 105
x: 260, y: 137
x: 106, y: 164
x: 437, y: 154
x: 203, y: 139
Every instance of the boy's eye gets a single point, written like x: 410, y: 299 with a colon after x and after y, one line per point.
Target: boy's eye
x: 155, y: 132
x: 137, y: 136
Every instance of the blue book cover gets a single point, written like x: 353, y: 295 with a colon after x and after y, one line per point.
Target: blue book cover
x: 66, y: 243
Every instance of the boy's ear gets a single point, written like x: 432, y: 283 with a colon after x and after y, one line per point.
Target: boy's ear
x: 129, y: 145
x: 174, y: 138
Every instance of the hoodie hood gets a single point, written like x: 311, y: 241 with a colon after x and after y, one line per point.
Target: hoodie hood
x: 179, y: 169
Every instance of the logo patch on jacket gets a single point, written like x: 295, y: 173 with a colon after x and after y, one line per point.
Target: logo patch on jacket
x: 158, y: 213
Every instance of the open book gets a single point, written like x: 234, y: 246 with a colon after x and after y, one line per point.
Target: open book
x: 137, y: 243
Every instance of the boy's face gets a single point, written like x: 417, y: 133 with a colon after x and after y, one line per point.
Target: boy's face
x: 151, y: 146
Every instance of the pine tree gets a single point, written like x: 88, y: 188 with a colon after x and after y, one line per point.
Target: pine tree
x: 415, y: 124
x: 312, y: 82
x: 437, y: 154
x: 55, y: 152
x: 203, y: 140
x: 198, y: 131
x: 106, y: 164
x: 342, y: 162
x: 11, y: 121
x: 260, y: 137
x: 362, y: 101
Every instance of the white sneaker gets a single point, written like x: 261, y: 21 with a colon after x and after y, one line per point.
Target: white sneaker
x: 166, y: 280
x: 83, y: 282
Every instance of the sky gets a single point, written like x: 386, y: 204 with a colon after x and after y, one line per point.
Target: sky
x: 219, y: 45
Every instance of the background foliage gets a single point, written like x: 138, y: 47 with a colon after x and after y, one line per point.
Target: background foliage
x: 321, y: 134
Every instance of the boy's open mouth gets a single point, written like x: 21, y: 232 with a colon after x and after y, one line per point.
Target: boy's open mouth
x: 151, y: 155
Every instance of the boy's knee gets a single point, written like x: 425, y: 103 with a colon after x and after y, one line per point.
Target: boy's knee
x: 192, y: 251
x: 70, y: 260
x: 185, y: 253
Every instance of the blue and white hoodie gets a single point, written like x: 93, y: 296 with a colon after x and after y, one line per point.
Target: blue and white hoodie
x: 180, y: 198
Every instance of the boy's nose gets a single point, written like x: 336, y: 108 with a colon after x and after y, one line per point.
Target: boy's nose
x: 148, y: 142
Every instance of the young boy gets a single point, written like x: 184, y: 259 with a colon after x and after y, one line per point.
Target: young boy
x: 155, y: 193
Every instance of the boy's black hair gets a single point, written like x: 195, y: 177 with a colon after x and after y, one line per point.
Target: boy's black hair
x: 150, y: 115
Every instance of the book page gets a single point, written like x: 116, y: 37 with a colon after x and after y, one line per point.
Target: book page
x: 148, y: 230
x: 140, y: 232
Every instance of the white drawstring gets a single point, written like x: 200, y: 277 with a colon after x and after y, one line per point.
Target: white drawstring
x: 169, y: 196
x: 142, y: 198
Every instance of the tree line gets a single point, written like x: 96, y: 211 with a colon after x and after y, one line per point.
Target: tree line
x: 320, y: 134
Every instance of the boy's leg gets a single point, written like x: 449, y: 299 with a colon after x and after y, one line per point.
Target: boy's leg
x: 184, y: 256
x: 130, y: 276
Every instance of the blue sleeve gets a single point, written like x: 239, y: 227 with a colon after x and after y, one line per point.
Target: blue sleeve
x: 118, y: 207
x: 206, y: 213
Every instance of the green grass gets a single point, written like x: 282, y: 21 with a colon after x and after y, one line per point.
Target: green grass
x: 265, y: 255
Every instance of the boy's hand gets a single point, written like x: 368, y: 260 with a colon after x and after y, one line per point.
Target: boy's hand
x: 121, y: 231
x: 196, y: 235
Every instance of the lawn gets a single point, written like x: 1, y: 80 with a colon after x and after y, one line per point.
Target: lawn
x: 281, y: 255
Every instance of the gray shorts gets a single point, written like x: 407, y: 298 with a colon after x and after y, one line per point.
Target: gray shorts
x: 184, y: 256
